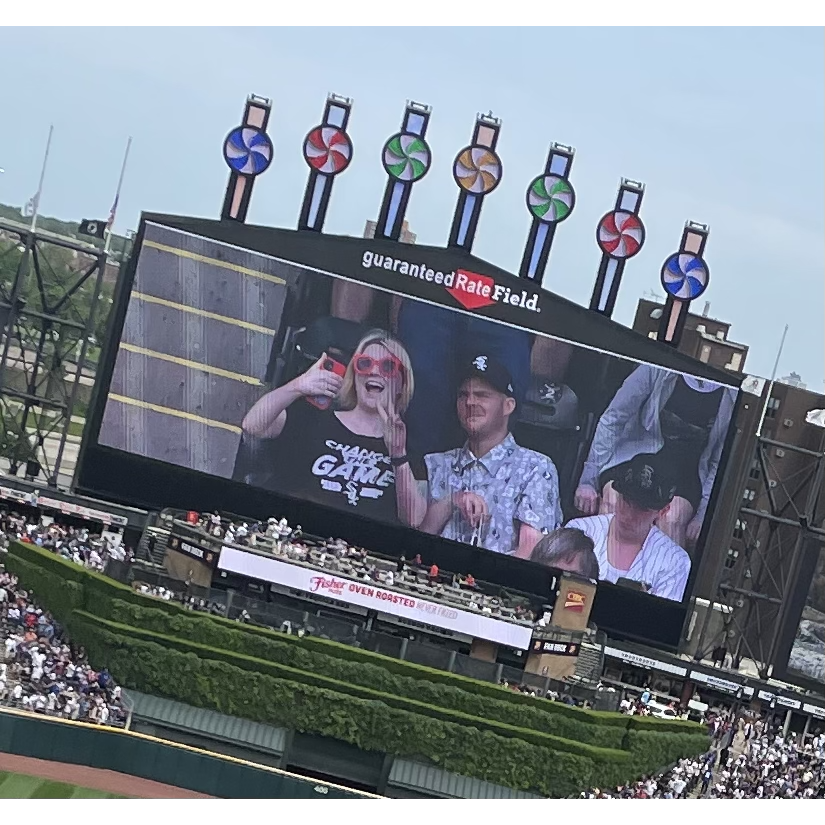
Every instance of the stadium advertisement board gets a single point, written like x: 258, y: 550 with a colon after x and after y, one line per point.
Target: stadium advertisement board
x: 369, y: 595
x: 419, y: 390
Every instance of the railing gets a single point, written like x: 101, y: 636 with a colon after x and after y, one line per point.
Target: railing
x: 173, y: 522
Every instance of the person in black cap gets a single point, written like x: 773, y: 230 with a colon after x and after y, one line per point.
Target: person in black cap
x: 491, y: 492
x: 683, y: 420
x: 627, y: 542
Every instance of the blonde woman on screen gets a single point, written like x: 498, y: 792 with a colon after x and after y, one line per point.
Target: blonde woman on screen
x: 331, y: 421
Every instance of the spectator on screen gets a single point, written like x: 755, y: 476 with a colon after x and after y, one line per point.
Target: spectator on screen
x: 336, y: 454
x: 491, y: 492
x: 569, y: 550
x: 684, y: 420
x: 437, y: 340
x: 628, y: 544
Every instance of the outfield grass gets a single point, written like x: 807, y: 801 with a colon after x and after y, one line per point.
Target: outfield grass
x: 21, y: 786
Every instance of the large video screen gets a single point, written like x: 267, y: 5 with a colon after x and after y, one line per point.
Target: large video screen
x: 808, y: 651
x: 367, y: 400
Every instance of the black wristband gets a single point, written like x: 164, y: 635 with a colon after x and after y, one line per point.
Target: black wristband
x: 399, y: 461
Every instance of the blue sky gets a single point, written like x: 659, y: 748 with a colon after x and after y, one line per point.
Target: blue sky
x: 724, y: 126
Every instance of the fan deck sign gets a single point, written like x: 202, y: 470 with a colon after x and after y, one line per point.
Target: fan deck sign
x: 556, y: 648
x: 195, y: 551
x: 374, y: 597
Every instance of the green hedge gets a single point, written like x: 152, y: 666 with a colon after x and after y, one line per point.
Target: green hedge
x: 105, y: 590
x: 365, y: 674
x: 368, y: 724
x: 68, y: 590
x: 294, y: 674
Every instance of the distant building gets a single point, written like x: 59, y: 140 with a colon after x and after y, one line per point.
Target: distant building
x: 406, y: 235
x: 794, y: 380
x: 704, y: 338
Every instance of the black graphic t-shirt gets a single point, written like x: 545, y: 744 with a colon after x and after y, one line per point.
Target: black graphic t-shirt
x: 319, y: 459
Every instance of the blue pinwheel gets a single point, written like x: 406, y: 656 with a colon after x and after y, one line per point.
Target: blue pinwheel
x: 248, y: 150
x: 685, y: 276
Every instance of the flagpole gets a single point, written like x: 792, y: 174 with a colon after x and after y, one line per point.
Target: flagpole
x: 771, y: 383
x: 40, y: 186
x: 117, y: 197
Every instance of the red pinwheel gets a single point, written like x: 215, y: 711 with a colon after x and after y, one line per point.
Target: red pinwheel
x: 328, y: 150
x: 620, y: 234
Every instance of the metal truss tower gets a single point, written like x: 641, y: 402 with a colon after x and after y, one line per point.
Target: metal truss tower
x: 779, y: 526
x: 50, y: 288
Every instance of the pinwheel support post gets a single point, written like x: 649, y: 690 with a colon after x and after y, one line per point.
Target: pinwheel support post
x: 406, y: 158
x: 684, y: 276
x: 620, y: 235
x: 248, y: 152
x: 328, y: 152
x: 477, y: 171
x: 550, y: 200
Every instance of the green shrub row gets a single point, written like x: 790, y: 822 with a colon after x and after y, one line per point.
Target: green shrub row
x: 365, y: 674
x: 65, y: 588
x: 294, y: 674
x: 368, y: 724
x: 107, y: 591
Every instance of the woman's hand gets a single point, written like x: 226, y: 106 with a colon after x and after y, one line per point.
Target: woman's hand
x: 586, y: 500
x: 693, y: 529
x: 395, y: 430
x: 317, y: 381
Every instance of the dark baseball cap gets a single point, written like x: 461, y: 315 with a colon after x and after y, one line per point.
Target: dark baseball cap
x: 645, y: 483
x: 489, y: 370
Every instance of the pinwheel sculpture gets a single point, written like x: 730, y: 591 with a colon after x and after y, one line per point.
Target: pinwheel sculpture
x: 620, y: 234
x: 477, y: 170
x: 328, y: 152
x: 684, y: 277
x: 550, y: 200
x: 248, y: 152
x: 406, y: 158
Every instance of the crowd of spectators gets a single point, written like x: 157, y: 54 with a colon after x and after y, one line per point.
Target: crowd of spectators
x: 565, y: 696
x: 276, y: 537
x: 748, y: 760
x: 42, y: 672
x: 648, y: 704
x: 77, y: 544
